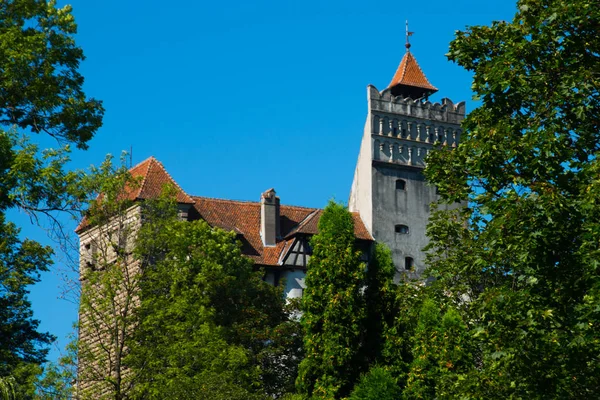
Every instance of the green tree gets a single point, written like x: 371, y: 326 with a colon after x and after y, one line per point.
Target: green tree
x: 397, y: 340
x: 58, y: 379
x: 20, y: 342
x: 520, y: 263
x: 378, y: 384
x: 380, y: 303
x: 7, y: 388
x: 109, y: 275
x: 440, y: 356
x: 41, y: 86
x: 209, y: 327
x: 333, y: 309
x: 40, y: 91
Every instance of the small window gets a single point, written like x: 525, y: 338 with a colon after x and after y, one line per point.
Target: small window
x: 400, y: 184
x: 91, y: 248
x: 409, y: 263
x: 402, y: 229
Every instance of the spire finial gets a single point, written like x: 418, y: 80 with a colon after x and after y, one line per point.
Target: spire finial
x: 408, y: 34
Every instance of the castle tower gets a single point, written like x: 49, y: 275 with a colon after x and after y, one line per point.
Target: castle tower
x: 389, y: 189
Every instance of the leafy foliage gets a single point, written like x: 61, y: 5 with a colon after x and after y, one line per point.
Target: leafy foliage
x: 378, y: 384
x: 380, y: 303
x: 58, y: 379
x: 333, y: 309
x: 520, y: 263
x: 109, y: 274
x: 441, y: 354
x: 41, y: 86
x: 7, y: 388
x: 397, y: 341
x: 210, y: 327
x: 21, y: 345
x: 40, y: 91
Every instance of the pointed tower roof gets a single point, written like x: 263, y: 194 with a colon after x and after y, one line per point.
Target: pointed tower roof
x: 154, y: 176
x: 409, y: 80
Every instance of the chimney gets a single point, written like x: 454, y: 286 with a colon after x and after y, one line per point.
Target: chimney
x: 269, y: 218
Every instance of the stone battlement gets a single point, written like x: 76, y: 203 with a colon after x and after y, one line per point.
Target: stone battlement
x: 384, y: 102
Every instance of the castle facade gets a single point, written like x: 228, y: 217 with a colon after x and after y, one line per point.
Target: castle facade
x: 389, y: 199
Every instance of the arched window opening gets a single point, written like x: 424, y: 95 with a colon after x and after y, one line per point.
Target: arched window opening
x: 403, y: 229
x: 409, y: 263
x: 400, y: 184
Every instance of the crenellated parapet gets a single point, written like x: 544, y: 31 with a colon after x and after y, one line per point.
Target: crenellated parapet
x: 405, y: 130
x: 385, y: 103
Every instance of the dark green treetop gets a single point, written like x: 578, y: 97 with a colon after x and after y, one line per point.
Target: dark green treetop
x: 333, y: 309
x: 40, y: 86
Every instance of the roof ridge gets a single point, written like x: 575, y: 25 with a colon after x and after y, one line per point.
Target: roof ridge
x: 145, y: 175
x: 141, y: 162
x: 251, y: 202
x: 171, y: 178
x: 308, y: 218
x: 220, y: 199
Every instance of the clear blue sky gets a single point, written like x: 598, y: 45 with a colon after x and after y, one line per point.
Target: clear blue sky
x: 235, y: 97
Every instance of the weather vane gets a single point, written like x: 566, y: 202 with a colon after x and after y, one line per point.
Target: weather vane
x: 408, y: 34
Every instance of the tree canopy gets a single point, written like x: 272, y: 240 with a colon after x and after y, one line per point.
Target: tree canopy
x: 40, y: 87
x: 520, y: 263
x: 209, y: 326
x: 333, y: 308
x: 40, y: 92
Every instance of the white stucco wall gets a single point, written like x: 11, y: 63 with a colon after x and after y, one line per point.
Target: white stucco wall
x: 294, y: 283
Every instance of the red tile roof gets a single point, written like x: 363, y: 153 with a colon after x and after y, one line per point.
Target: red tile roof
x: 154, y: 178
x: 243, y: 217
x: 410, y: 74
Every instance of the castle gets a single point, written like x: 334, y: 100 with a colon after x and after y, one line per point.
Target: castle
x: 389, y: 201
x: 389, y: 198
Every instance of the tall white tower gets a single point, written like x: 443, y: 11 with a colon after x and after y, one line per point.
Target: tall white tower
x: 389, y: 189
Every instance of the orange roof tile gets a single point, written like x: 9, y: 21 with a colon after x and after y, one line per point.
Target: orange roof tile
x: 243, y: 217
x: 154, y: 178
x: 410, y: 74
